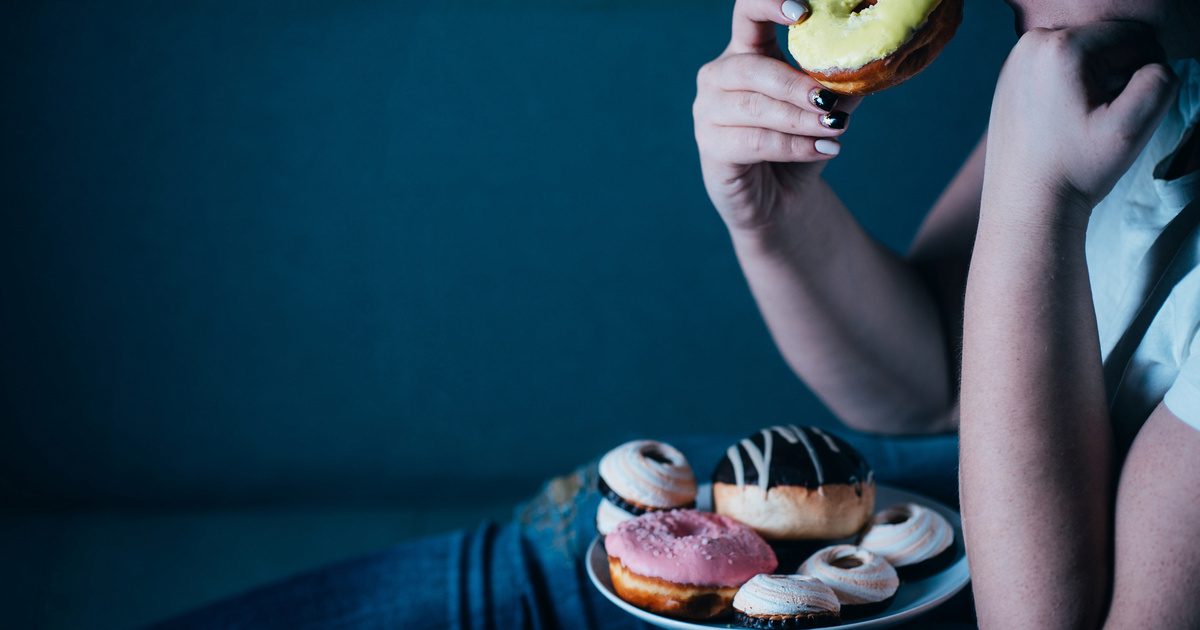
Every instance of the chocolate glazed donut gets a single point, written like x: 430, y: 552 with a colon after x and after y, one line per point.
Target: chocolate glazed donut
x: 795, y: 484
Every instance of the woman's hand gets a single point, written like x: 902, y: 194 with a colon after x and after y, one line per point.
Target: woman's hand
x: 1072, y: 109
x: 764, y: 129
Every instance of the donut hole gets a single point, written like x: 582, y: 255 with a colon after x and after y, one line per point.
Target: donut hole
x: 863, y: 6
x: 846, y: 562
x: 653, y: 454
x: 895, y: 517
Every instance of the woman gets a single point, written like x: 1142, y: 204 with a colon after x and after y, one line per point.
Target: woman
x: 1087, y: 159
x: 1089, y: 156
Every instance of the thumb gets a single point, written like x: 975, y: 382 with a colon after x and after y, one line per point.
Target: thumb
x: 754, y: 24
x: 1137, y: 110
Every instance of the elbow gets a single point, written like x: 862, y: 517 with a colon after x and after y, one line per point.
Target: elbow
x: 915, y: 419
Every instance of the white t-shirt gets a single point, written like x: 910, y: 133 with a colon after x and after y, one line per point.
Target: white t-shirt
x: 1166, y: 365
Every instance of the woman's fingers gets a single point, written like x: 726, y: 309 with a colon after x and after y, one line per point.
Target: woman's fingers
x: 754, y: 109
x: 773, y: 78
x: 754, y: 23
x: 752, y: 145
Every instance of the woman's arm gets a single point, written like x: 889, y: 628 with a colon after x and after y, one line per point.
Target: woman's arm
x: 859, y: 324
x: 1072, y: 110
x: 1035, y: 442
x: 873, y: 334
x: 1157, y: 569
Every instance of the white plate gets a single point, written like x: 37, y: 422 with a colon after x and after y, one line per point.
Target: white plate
x: 912, y: 599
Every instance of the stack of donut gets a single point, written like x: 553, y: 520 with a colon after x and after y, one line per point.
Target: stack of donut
x: 781, y: 486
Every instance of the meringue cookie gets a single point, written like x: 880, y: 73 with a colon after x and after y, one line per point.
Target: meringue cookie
x: 643, y: 476
x: 779, y: 601
x: 860, y: 579
x: 907, y: 535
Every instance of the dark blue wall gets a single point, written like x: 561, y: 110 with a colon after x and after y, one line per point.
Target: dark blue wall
x: 308, y: 251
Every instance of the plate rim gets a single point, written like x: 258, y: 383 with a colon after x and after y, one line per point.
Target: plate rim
x: 898, y: 617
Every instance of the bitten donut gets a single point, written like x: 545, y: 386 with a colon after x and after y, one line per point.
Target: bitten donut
x: 684, y: 563
x: 784, y: 602
x: 913, y: 538
x: 642, y: 476
x: 795, y: 483
x: 863, y: 46
x: 863, y: 582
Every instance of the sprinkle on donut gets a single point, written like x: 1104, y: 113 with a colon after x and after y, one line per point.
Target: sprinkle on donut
x: 690, y: 547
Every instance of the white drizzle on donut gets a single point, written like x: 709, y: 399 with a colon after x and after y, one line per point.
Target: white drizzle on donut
x: 787, y: 433
x: 735, y: 458
x: 812, y: 454
x: 762, y: 459
x: 756, y: 458
x: 768, y: 449
x: 828, y: 440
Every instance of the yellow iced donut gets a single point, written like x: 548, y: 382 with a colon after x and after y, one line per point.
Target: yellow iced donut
x: 863, y: 46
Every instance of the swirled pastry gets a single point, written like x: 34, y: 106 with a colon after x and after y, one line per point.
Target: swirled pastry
x: 911, y: 537
x: 785, y: 601
x: 863, y: 582
x: 642, y: 476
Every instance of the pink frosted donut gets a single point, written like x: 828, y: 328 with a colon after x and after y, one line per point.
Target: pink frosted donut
x: 685, y: 563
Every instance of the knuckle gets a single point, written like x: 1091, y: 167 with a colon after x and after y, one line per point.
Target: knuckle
x: 756, y: 140
x: 799, y: 146
x: 704, y: 75
x: 1159, y: 73
x: 738, y: 64
x: 704, y: 142
x: 1040, y: 39
x: 749, y: 104
x: 796, y: 87
x: 1042, y: 50
x: 1059, y: 44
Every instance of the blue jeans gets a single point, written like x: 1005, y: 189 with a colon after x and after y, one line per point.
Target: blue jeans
x: 527, y: 573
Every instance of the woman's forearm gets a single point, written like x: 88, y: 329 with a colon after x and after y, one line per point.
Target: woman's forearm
x: 1035, y: 442
x: 851, y: 318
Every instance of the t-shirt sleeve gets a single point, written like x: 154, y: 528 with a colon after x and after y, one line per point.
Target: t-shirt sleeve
x: 1183, y: 398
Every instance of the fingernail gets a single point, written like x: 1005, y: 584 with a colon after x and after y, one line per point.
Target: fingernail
x: 835, y: 120
x: 823, y: 98
x: 828, y: 147
x: 793, y: 10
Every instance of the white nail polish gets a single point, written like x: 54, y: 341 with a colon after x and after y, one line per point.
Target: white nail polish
x: 793, y: 10
x: 828, y: 147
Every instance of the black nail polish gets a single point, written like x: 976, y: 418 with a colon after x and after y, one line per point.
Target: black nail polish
x: 824, y: 99
x: 835, y: 120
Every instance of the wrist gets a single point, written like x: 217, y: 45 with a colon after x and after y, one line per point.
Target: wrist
x: 1039, y: 207
x: 764, y: 238
x: 795, y: 211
